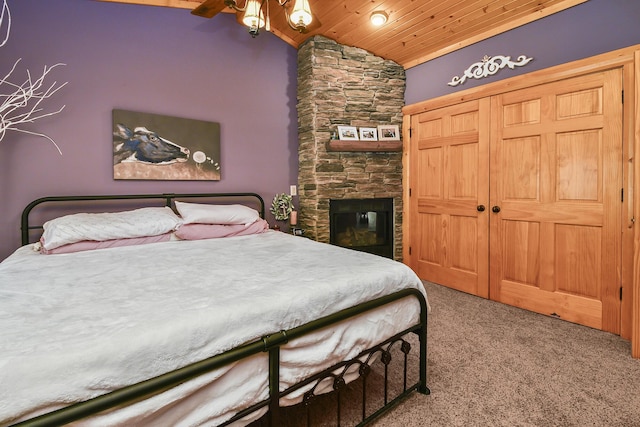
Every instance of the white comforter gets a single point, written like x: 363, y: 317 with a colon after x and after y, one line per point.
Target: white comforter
x: 74, y: 326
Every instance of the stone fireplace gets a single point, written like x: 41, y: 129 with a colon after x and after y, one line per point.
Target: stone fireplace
x: 342, y: 85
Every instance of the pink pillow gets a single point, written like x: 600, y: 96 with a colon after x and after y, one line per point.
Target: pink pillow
x: 87, y: 245
x: 214, y: 231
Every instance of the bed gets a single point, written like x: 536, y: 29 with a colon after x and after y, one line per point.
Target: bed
x: 219, y: 327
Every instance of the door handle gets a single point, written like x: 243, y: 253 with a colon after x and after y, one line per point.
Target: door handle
x: 495, y: 209
x: 480, y: 208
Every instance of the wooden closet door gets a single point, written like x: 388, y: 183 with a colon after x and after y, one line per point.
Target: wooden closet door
x: 449, y: 161
x: 556, y: 178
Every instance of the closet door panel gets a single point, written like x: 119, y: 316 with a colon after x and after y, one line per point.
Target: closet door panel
x: 556, y: 177
x: 449, y: 159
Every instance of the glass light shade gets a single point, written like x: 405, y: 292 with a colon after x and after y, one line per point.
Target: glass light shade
x: 301, y: 14
x: 378, y: 18
x: 253, y: 16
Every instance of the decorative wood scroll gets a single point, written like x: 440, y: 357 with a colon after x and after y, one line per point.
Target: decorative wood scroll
x: 488, y: 67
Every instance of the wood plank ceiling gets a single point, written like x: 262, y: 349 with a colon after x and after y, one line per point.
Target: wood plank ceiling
x: 416, y: 31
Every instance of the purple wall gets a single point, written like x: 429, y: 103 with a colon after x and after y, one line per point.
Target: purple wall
x: 151, y: 59
x: 167, y: 61
x: 585, y: 30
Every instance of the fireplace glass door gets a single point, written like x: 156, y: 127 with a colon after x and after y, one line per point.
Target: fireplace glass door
x: 362, y: 224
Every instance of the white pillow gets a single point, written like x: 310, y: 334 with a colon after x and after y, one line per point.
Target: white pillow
x: 196, y: 213
x: 108, y: 226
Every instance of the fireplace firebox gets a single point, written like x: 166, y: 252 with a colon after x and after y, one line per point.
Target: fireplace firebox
x: 362, y: 224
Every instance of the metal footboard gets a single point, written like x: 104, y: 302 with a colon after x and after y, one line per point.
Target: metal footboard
x: 273, y: 343
x: 270, y: 344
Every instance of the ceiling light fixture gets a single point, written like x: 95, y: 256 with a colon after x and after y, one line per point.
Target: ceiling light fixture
x: 301, y: 17
x: 253, y: 16
x: 378, y: 18
x: 256, y: 14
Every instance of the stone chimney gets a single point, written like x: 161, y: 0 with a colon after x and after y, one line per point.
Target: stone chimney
x: 342, y: 85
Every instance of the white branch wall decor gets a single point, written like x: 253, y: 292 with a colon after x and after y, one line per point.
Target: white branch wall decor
x: 20, y: 103
x: 5, y: 23
x: 489, y: 66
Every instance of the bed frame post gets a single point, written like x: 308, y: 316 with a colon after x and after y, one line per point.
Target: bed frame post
x: 272, y: 344
x: 274, y: 391
x: 422, y: 339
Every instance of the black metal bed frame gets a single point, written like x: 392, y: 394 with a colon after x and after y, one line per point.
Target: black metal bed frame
x: 269, y: 343
x: 26, y: 227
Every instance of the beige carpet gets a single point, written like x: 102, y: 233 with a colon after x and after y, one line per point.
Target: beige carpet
x: 494, y: 365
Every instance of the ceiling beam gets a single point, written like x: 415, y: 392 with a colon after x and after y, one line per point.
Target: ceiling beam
x: 181, y: 4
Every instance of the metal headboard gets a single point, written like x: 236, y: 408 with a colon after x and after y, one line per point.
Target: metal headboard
x: 26, y: 227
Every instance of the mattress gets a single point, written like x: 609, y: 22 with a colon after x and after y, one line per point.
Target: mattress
x: 75, y: 326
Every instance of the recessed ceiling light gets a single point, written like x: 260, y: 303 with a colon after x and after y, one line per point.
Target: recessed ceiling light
x: 378, y: 18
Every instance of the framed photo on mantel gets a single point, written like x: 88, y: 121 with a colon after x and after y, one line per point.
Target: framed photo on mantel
x: 368, y: 134
x: 388, y: 133
x: 348, y: 133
